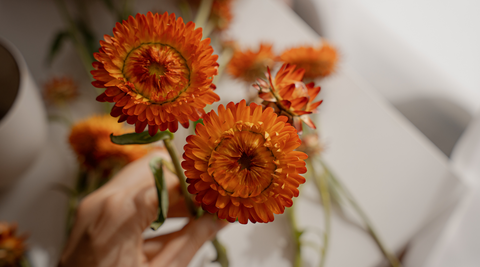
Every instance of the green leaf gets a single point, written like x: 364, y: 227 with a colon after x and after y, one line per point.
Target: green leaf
x: 56, y: 45
x: 139, y: 138
x: 162, y: 192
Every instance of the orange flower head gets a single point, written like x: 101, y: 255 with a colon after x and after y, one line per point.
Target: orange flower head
x: 157, y: 70
x: 90, y: 140
x: 12, y: 247
x: 60, y: 90
x: 317, y: 62
x: 289, y: 96
x: 248, y: 65
x: 241, y: 163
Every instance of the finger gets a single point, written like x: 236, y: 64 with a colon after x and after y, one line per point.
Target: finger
x: 127, y: 183
x: 178, y: 248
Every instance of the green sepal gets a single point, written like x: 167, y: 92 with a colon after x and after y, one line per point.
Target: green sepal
x: 199, y: 121
x: 140, y: 138
x: 156, y: 165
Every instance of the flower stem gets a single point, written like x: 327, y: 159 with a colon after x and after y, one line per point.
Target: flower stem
x: 221, y: 252
x: 72, y: 208
x: 24, y: 262
x: 323, y: 188
x: 181, y: 176
x: 392, y: 259
x: 203, y: 13
x: 225, y: 58
x: 75, y: 34
x: 297, y: 257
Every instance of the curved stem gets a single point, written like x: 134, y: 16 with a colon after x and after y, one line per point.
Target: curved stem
x: 322, y: 187
x: 297, y: 259
x: 225, y: 58
x: 181, y: 176
x: 393, y: 260
x: 203, y: 13
x: 221, y: 252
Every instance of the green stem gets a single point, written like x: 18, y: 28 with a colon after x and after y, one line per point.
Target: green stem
x: 203, y: 13
x: 181, y: 176
x: 323, y: 188
x: 85, y: 56
x: 72, y: 28
x: 72, y: 207
x: 225, y: 58
x: 24, y: 262
x: 185, y: 10
x: 297, y: 257
x: 221, y: 252
x: 393, y: 260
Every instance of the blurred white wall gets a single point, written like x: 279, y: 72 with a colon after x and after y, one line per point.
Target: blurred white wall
x: 422, y: 55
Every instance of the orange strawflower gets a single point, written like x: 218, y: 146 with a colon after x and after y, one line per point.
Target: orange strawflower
x: 289, y: 96
x: 12, y: 247
x: 90, y: 140
x: 317, y: 61
x: 157, y: 70
x: 242, y: 165
x: 248, y: 65
x: 60, y: 90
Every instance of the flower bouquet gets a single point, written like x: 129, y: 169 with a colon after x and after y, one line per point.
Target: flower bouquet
x: 244, y: 161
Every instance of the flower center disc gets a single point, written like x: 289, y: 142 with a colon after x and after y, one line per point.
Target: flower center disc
x: 158, y: 72
x: 242, y: 165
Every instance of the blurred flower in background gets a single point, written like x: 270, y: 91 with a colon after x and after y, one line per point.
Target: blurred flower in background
x: 221, y: 14
x: 311, y: 144
x: 248, y: 65
x: 318, y: 62
x: 60, y: 90
x: 90, y: 140
x: 12, y: 247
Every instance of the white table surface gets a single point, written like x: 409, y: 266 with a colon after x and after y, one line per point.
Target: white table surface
x: 397, y: 175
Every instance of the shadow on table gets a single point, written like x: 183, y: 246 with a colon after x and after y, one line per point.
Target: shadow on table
x: 439, y: 119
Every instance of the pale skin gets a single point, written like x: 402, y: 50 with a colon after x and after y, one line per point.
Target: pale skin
x: 110, y: 222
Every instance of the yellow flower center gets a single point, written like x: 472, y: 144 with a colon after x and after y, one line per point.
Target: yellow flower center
x: 242, y: 165
x: 158, y: 72
x: 156, y: 69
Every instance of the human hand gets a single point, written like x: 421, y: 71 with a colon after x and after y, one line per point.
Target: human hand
x: 110, y: 222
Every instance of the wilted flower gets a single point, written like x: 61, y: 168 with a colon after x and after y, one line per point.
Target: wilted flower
x: 242, y: 165
x: 248, y: 65
x: 90, y: 140
x: 317, y: 61
x: 60, y: 90
x: 158, y: 72
x: 12, y: 247
x: 289, y: 96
